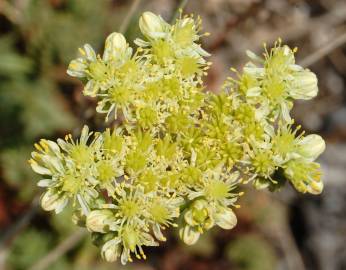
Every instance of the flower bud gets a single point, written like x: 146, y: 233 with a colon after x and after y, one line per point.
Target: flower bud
x: 225, y: 218
x: 312, y: 146
x: 199, y: 215
x: 98, y: 220
x: 189, y: 235
x: 53, y: 201
x: 304, y: 176
x: 116, y: 47
x: 111, y: 250
x: 304, y: 85
x: 151, y: 25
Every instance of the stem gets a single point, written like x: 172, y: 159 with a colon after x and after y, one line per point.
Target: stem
x: 181, y: 6
x: 125, y: 24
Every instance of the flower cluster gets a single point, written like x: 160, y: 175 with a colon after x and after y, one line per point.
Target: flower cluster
x: 180, y: 154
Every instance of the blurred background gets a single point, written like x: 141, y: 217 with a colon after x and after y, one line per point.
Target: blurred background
x: 284, y: 230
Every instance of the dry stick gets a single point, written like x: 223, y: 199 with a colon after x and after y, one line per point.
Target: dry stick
x: 323, y: 51
x: 125, y: 24
x: 60, y: 250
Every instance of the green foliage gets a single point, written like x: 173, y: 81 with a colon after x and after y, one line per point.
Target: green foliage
x: 58, y: 31
x: 42, y: 37
x: 13, y: 65
x: 251, y: 252
x: 21, y: 257
x: 17, y: 173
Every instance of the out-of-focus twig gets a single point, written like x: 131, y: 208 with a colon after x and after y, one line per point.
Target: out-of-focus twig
x: 22, y: 222
x: 323, y: 51
x: 280, y: 230
x: 298, y: 29
x: 13, y: 11
x: 180, y: 7
x: 9, y: 11
x: 60, y: 250
x: 125, y: 24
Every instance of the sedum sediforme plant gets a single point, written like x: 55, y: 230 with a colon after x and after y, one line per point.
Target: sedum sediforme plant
x: 180, y: 154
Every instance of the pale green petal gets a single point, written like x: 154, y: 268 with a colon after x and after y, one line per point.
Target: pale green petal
x: 39, y: 169
x: 304, y: 85
x: 111, y: 250
x: 98, y: 220
x: 226, y: 219
x: 254, y: 57
x: 77, y: 68
x: 44, y: 183
x: 53, y: 201
x: 311, y: 146
x: 89, y: 53
x: 152, y: 26
x: 189, y: 235
x: 157, y: 232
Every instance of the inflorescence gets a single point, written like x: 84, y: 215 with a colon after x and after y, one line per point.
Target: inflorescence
x: 180, y: 154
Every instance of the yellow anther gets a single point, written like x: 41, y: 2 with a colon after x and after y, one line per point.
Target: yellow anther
x: 82, y: 52
x: 38, y: 147
x: 31, y: 161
